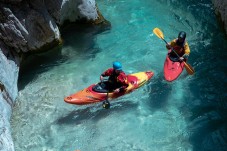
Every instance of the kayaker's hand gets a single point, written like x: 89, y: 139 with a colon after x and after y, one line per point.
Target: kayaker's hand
x: 101, y: 78
x: 168, y: 46
x: 116, y: 90
x: 185, y: 56
x: 181, y: 58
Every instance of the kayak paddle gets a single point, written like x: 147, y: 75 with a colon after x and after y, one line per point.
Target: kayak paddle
x: 160, y: 35
x: 106, y: 103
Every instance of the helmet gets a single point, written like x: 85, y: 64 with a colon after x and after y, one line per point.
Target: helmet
x: 117, y: 65
x: 182, y: 35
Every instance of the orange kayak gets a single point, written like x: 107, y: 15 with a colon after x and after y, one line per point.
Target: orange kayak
x: 95, y: 92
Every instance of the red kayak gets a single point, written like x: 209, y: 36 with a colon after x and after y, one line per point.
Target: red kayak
x: 172, y: 69
x: 97, y: 92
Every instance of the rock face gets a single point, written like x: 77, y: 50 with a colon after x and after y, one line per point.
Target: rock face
x: 26, y: 28
x: 9, y: 70
x: 220, y: 7
x: 29, y: 26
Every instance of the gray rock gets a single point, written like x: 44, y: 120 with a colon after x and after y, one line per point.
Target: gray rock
x: 221, y: 11
x: 8, y: 92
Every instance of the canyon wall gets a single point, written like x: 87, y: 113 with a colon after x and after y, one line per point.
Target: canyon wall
x: 220, y: 7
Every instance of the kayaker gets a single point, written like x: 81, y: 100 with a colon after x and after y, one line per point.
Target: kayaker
x: 180, y: 46
x: 117, y: 80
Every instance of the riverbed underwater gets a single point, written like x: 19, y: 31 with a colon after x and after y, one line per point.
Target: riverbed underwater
x: 188, y: 114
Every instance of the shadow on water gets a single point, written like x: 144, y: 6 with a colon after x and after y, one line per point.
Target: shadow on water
x: 94, y: 113
x: 159, y: 91
x: 79, y: 37
x: 208, y: 119
x: 36, y: 64
x: 208, y: 127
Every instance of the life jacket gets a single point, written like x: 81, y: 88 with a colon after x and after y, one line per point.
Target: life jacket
x: 116, y: 79
x: 113, y: 80
x: 179, y: 49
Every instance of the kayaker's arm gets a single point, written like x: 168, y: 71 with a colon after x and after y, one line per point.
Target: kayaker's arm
x: 102, y: 77
x: 186, y: 50
x: 171, y: 44
x: 122, y: 78
x: 121, y: 89
x: 106, y: 73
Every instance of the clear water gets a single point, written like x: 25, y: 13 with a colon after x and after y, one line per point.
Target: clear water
x: 184, y: 115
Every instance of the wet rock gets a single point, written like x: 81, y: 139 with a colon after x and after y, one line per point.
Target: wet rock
x: 221, y: 11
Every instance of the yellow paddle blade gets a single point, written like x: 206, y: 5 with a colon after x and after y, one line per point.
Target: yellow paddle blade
x: 158, y: 32
x: 189, y: 68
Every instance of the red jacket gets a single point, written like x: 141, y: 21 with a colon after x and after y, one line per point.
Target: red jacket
x: 118, y: 80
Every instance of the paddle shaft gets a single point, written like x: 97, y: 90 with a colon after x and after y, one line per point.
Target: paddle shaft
x: 171, y: 47
x: 106, y: 103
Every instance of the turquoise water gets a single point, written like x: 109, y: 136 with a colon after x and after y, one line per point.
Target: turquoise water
x: 188, y: 114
